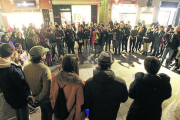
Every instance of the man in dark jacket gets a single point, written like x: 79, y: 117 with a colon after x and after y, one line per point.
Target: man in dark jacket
x: 59, y: 35
x: 126, y: 37
x: 86, y: 37
x: 111, y: 24
x: 51, y: 38
x: 70, y: 39
x: 173, y: 40
x: 12, y: 83
x: 158, y: 34
x: 104, y: 92
x: 149, y: 90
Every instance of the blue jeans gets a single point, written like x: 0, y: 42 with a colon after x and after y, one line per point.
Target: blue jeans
x: 22, y: 113
x: 156, y: 49
x: 166, y: 51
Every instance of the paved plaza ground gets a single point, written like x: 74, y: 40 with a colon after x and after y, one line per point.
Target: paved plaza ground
x: 124, y: 66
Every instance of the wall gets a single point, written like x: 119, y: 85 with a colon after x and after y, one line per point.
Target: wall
x: 75, y: 2
x: 8, y: 8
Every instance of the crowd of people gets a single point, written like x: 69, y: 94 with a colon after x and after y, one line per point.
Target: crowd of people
x: 102, y: 94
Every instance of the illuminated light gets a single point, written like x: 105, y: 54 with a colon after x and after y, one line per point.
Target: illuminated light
x: 116, y: 1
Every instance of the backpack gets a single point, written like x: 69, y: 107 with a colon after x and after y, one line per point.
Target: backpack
x: 60, y: 109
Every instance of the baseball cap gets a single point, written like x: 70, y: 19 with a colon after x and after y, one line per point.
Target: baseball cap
x: 105, y: 58
x: 37, y: 51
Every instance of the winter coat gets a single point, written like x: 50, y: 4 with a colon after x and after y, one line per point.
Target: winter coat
x: 38, y: 77
x: 31, y: 41
x: 101, y: 38
x: 59, y: 33
x: 158, y: 36
x: 50, y: 37
x: 91, y: 30
x: 70, y: 36
x: 127, y: 32
x: 148, y: 92
x: 149, y: 36
x: 41, y: 38
x: 73, y: 93
x: 175, y: 42
x: 134, y: 33
x: 80, y: 36
x: 106, y: 35
x: 22, y: 42
x: 103, y: 94
x: 86, y: 33
x: 13, y: 84
x: 120, y: 35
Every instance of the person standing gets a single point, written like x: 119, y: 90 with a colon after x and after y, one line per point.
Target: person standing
x: 41, y: 37
x: 20, y: 40
x: 32, y: 39
x: 49, y: 54
x: 139, y: 39
x: 68, y: 80
x: 126, y: 37
x: 111, y: 24
x: 104, y: 92
x: 70, y: 39
x: 133, y: 39
x: 115, y: 41
x: 13, y: 36
x: 147, y: 40
x: 149, y: 90
x: 86, y: 37
x: 59, y: 35
x: 38, y: 77
x: 158, y: 34
x: 80, y: 36
x: 12, y: 83
x: 120, y: 35
x: 51, y: 38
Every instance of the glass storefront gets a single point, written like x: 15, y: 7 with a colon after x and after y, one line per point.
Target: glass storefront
x: 124, y: 12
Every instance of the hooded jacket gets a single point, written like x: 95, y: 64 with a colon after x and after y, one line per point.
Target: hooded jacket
x: 73, y: 92
x: 148, y: 92
x: 103, y: 94
x: 12, y: 84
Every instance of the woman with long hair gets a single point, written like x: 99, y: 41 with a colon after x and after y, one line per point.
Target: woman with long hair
x: 67, y: 79
x: 13, y: 36
x: 5, y: 39
x: 139, y: 39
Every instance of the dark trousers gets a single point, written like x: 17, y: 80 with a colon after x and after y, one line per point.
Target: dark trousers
x: 22, y: 113
x: 80, y: 47
x: 49, y: 59
x: 96, y: 47
x: 138, y: 43
x: 60, y: 48
x: 132, y: 44
x: 46, y: 111
x: 70, y: 46
x: 152, y: 45
x: 124, y: 42
x: 53, y: 51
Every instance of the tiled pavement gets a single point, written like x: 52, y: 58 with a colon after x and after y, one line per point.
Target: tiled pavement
x: 124, y: 66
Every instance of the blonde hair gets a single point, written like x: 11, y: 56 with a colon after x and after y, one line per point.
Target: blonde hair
x: 46, y: 40
x: 141, y: 29
x: 80, y: 29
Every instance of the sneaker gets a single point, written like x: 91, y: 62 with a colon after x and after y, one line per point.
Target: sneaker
x: 33, y: 110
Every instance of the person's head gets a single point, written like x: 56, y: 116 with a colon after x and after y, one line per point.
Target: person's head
x: 172, y: 29
x: 70, y: 64
x: 18, y: 46
x: 31, y: 31
x: 96, y: 30
x: 38, y: 31
x: 161, y: 28
x: 4, y: 38
x: 143, y: 24
x: 13, y: 33
x: 135, y: 27
x: 178, y: 29
x: 6, y: 50
x: 126, y: 26
x: 141, y: 29
x: 49, y: 31
x: 46, y: 40
x: 86, y: 27
x: 69, y: 27
x: 105, y: 60
x: 168, y: 27
x: 57, y: 27
x: 80, y: 29
x: 38, y: 53
x: 152, y: 64
x: 114, y: 27
x: 19, y: 35
x: 149, y: 29
x: 121, y: 25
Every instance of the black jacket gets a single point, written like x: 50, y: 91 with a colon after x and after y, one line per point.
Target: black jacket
x: 158, y: 36
x: 13, y: 84
x: 86, y: 33
x: 80, y: 36
x: 103, y: 94
x: 59, y: 33
x: 21, y: 41
x: 175, y: 42
x: 150, y: 37
x: 148, y: 92
x: 50, y: 37
x: 127, y: 32
x: 69, y: 36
